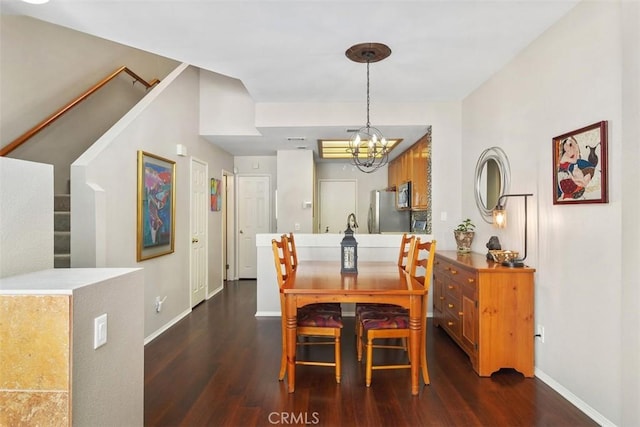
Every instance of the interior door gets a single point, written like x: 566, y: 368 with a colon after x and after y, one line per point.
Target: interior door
x: 337, y: 201
x: 228, y: 227
x: 198, y: 225
x: 253, y: 218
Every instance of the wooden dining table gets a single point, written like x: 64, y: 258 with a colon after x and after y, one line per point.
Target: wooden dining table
x: 375, y: 282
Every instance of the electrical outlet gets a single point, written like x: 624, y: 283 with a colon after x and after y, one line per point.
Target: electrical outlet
x: 100, y: 331
x: 159, y: 303
x: 540, y: 333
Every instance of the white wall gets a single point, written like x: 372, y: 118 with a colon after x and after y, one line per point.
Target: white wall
x: 225, y: 106
x: 630, y: 134
x: 295, y: 186
x: 568, y: 78
x: 104, y: 202
x: 26, y: 216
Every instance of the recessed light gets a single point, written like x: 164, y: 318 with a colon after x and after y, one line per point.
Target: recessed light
x: 36, y: 1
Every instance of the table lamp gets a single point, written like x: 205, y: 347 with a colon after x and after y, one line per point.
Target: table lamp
x: 500, y: 221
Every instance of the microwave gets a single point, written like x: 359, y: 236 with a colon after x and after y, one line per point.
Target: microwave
x: 403, y: 195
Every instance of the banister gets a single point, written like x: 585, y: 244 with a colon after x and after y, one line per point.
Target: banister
x: 52, y: 118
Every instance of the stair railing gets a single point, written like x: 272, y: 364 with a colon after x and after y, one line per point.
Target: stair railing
x: 55, y: 116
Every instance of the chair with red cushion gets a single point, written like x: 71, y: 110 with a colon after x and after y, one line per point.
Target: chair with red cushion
x: 403, y: 261
x: 385, y: 323
x: 315, y: 320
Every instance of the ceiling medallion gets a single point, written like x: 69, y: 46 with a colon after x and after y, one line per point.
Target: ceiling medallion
x: 368, y: 147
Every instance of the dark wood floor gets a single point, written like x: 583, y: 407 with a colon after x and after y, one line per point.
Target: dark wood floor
x: 219, y: 367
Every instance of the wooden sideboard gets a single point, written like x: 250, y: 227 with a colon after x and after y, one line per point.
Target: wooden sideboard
x: 487, y: 309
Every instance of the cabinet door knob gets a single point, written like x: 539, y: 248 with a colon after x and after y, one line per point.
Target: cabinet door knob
x: 450, y: 305
x: 450, y: 323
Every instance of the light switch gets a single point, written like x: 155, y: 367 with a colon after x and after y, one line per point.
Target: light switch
x: 100, y: 331
x: 296, y: 226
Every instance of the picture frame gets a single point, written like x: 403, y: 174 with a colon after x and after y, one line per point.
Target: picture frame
x: 580, y: 166
x: 155, y: 206
x: 216, y: 196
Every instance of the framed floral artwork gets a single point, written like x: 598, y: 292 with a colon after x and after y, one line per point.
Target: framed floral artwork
x: 156, y: 206
x: 216, y: 197
x: 580, y: 166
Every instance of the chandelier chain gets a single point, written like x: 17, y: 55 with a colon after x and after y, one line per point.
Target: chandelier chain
x: 368, y: 97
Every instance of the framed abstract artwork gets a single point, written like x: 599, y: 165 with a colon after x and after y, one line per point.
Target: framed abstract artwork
x: 580, y: 166
x: 216, y: 197
x: 155, y: 206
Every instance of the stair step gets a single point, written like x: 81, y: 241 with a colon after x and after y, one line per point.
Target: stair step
x: 62, y: 203
x: 61, y: 231
x: 62, y: 221
x: 61, y: 242
x: 62, y: 261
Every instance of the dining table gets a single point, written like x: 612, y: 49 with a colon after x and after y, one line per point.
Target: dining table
x: 375, y: 282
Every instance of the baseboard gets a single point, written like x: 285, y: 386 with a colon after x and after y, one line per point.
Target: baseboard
x: 575, y: 400
x: 267, y: 314
x: 215, y: 292
x: 176, y: 319
x: 169, y: 324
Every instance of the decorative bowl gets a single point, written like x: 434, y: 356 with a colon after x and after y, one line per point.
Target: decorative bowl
x: 501, y: 255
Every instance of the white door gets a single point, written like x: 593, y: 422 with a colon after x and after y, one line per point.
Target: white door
x: 337, y: 201
x: 253, y: 218
x: 199, y: 209
x: 228, y: 219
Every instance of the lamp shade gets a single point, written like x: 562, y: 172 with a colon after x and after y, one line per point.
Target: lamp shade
x: 500, y: 217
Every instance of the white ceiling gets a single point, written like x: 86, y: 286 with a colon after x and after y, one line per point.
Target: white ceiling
x: 293, y: 50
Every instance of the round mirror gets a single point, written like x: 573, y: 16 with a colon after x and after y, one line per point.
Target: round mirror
x: 493, y: 176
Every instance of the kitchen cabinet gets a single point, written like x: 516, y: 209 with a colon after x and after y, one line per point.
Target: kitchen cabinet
x: 413, y: 165
x: 487, y: 309
x: 419, y: 174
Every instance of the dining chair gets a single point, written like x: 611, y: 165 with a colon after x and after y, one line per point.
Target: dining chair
x: 292, y: 250
x: 403, y: 261
x: 331, y: 306
x: 381, y: 324
x: 404, y: 250
x: 420, y: 261
x: 315, y: 320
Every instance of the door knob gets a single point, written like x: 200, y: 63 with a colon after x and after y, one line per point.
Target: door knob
x: 241, y: 232
x: 194, y: 240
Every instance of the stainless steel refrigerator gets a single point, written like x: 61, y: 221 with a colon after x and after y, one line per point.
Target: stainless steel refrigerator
x: 383, y: 215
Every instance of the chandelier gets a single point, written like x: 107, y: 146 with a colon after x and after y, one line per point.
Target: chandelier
x: 368, y: 147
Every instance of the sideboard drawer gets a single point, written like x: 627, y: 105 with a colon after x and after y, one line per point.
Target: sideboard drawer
x: 452, y: 323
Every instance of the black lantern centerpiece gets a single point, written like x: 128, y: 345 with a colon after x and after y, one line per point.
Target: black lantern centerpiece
x: 349, y: 248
